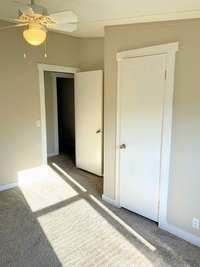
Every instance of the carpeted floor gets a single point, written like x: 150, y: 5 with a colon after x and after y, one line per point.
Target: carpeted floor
x: 56, y: 218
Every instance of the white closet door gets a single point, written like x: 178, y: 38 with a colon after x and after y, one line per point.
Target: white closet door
x: 88, y: 120
x: 142, y: 86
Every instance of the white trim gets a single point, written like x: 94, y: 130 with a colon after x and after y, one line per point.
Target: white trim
x: 181, y: 234
x: 110, y: 201
x: 55, y: 115
x: 166, y: 144
x: 8, y: 186
x: 148, y: 51
x: 42, y: 68
x: 170, y: 16
x: 117, y: 155
x: 170, y: 51
x: 57, y: 68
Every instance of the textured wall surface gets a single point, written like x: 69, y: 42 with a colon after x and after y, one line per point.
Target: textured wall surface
x: 91, y: 53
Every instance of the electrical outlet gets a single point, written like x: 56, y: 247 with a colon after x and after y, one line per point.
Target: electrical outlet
x: 195, y: 223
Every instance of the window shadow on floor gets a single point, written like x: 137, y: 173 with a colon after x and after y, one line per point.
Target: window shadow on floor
x: 80, y: 229
x: 22, y: 240
x: 160, y: 247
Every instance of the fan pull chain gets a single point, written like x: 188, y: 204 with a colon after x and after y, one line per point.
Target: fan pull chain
x: 45, y: 49
x: 24, y: 49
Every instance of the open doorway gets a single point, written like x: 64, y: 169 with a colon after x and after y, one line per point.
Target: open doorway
x: 66, y: 116
x: 60, y: 114
x: 71, y: 117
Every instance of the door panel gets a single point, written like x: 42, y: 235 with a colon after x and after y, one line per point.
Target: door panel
x: 142, y: 83
x: 88, y: 120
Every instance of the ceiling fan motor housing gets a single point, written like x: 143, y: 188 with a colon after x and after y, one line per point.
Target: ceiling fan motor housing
x: 39, y: 9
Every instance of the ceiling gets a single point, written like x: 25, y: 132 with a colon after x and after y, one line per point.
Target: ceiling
x: 95, y: 14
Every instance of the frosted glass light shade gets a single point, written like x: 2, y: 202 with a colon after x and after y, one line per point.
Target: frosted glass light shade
x: 35, y: 35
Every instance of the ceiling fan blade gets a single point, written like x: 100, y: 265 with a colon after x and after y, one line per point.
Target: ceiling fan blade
x: 65, y: 27
x: 15, y: 21
x: 64, y: 17
x: 13, y: 26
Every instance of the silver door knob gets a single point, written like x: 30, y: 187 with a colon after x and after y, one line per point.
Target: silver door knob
x: 123, y: 146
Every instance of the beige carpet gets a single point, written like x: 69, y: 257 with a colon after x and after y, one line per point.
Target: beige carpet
x: 56, y: 218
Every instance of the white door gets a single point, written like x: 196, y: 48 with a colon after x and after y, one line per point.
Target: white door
x: 141, y: 96
x: 88, y: 120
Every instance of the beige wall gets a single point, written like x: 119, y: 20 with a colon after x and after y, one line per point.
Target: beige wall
x: 91, y: 53
x: 184, y: 189
x: 20, y: 139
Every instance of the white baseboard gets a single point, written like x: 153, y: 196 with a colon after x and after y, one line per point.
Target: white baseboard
x: 52, y: 154
x: 7, y: 186
x: 191, y: 238
x: 195, y: 240
x: 111, y: 201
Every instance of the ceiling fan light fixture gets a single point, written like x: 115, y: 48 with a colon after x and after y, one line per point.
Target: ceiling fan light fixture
x: 35, y: 34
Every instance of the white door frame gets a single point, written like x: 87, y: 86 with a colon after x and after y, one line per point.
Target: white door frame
x: 52, y: 68
x: 170, y: 51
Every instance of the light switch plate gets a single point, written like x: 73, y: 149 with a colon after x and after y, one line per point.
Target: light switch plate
x: 195, y: 223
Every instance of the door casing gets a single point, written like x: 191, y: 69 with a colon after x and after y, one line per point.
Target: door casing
x: 169, y: 50
x: 41, y: 69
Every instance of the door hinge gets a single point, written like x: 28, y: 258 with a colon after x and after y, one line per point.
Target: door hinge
x: 165, y: 74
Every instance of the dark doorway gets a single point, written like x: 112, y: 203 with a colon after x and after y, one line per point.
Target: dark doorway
x: 66, y: 116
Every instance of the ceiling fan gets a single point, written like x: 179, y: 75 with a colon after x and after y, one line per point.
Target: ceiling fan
x: 35, y: 17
